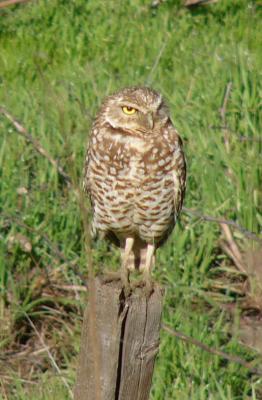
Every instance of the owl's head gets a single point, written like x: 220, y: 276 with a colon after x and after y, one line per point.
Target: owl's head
x: 138, y: 110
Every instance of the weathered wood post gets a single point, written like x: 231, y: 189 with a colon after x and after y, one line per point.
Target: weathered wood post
x: 119, y: 344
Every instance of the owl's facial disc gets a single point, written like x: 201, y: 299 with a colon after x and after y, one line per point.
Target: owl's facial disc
x: 136, y: 110
x: 144, y: 118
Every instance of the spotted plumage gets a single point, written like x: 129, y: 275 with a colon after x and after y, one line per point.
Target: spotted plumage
x: 135, y: 175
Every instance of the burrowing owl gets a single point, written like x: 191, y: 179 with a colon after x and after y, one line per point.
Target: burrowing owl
x: 135, y: 175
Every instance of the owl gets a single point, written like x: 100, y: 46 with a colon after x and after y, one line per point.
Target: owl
x: 135, y: 176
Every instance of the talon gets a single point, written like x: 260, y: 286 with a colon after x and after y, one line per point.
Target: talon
x: 124, y: 274
x: 149, y: 287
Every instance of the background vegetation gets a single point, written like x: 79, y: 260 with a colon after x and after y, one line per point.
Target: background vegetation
x: 58, y: 59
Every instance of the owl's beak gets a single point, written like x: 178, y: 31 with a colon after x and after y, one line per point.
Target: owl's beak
x: 150, y: 121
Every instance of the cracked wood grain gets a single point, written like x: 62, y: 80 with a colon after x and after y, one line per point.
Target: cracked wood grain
x: 128, y: 338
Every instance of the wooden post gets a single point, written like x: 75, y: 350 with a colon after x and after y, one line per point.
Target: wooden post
x: 119, y: 344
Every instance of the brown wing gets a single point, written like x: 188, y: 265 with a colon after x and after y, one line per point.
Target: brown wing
x: 179, y: 177
x: 87, y: 185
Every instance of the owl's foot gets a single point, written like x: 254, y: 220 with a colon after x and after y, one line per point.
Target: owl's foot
x: 124, y: 267
x: 148, y: 286
x: 122, y: 276
x: 124, y: 273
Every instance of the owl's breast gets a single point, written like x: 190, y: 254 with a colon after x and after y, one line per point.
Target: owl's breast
x: 132, y: 187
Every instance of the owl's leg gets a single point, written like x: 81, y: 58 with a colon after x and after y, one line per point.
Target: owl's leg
x: 124, y: 267
x: 123, y: 273
x: 150, y: 260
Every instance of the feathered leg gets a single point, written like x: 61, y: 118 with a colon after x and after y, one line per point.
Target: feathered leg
x: 147, y: 268
x: 125, y: 261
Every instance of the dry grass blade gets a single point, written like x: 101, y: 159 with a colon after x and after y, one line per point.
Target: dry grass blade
x: 211, y: 350
x: 51, y: 358
x: 223, y: 116
x: 36, y: 144
x: 9, y: 378
x: 241, y: 138
x: 224, y: 105
x: 53, y: 247
x: 190, y: 3
x: 71, y: 288
x: 231, y: 249
x: 210, y: 218
x: 8, y: 3
x: 157, y: 60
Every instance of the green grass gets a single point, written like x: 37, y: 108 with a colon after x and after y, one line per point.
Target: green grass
x: 58, y: 59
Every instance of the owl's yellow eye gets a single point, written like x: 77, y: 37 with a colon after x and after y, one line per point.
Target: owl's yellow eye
x: 129, y: 110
